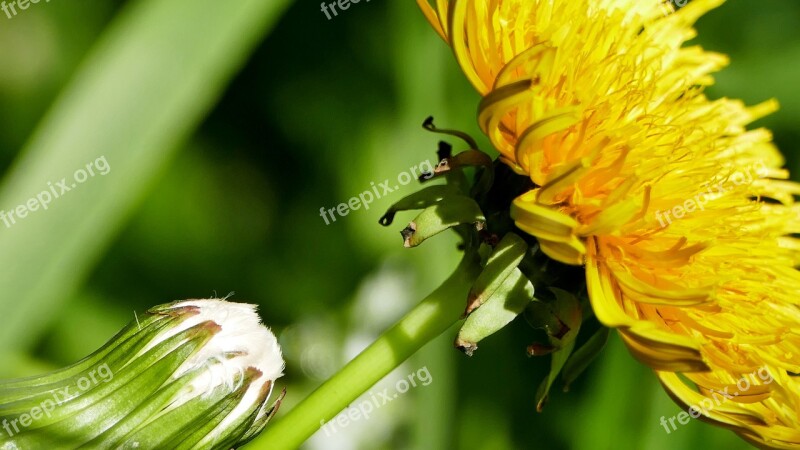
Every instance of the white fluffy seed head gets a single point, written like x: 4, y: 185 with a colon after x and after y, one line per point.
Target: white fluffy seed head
x: 242, y: 342
x: 242, y: 333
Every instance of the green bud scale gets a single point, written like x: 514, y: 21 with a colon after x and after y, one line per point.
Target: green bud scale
x: 194, y: 374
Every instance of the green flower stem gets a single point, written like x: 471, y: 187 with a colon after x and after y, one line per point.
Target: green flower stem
x: 434, y: 315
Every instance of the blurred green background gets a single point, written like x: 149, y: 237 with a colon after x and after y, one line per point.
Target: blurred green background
x: 224, y: 145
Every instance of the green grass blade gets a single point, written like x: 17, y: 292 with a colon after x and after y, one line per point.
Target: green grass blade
x: 146, y: 85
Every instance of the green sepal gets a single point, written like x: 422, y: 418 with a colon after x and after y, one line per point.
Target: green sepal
x: 96, y: 409
x: 584, y: 356
x: 418, y: 200
x: 20, y: 399
x: 561, y: 320
x: 559, y: 358
x: 451, y: 168
x: 201, y: 437
x: 183, y: 427
x: 567, y: 308
x: 505, y: 303
x: 126, y: 340
x: 484, y: 167
x: 142, y: 413
x: 505, y: 257
x: 433, y: 220
x: 247, y: 422
x: 260, y: 423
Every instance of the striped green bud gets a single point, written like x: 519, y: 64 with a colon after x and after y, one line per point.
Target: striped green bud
x: 194, y: 374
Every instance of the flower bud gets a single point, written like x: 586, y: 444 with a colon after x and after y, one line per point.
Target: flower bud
x: 190, y: 374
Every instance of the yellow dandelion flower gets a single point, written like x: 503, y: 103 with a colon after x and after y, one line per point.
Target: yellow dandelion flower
x: 682, y: 216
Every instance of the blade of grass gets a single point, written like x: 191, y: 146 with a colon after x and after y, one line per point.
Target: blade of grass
x: 146, y: 85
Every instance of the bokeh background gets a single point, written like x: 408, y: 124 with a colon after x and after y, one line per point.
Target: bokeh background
x: 305, y: 113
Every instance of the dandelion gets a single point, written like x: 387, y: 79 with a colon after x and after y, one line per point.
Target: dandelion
x: 614, y: 169
x: 191, y: 374
x: 681, y: 215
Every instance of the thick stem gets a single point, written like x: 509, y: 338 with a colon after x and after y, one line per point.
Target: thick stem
x: 435, y: 314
